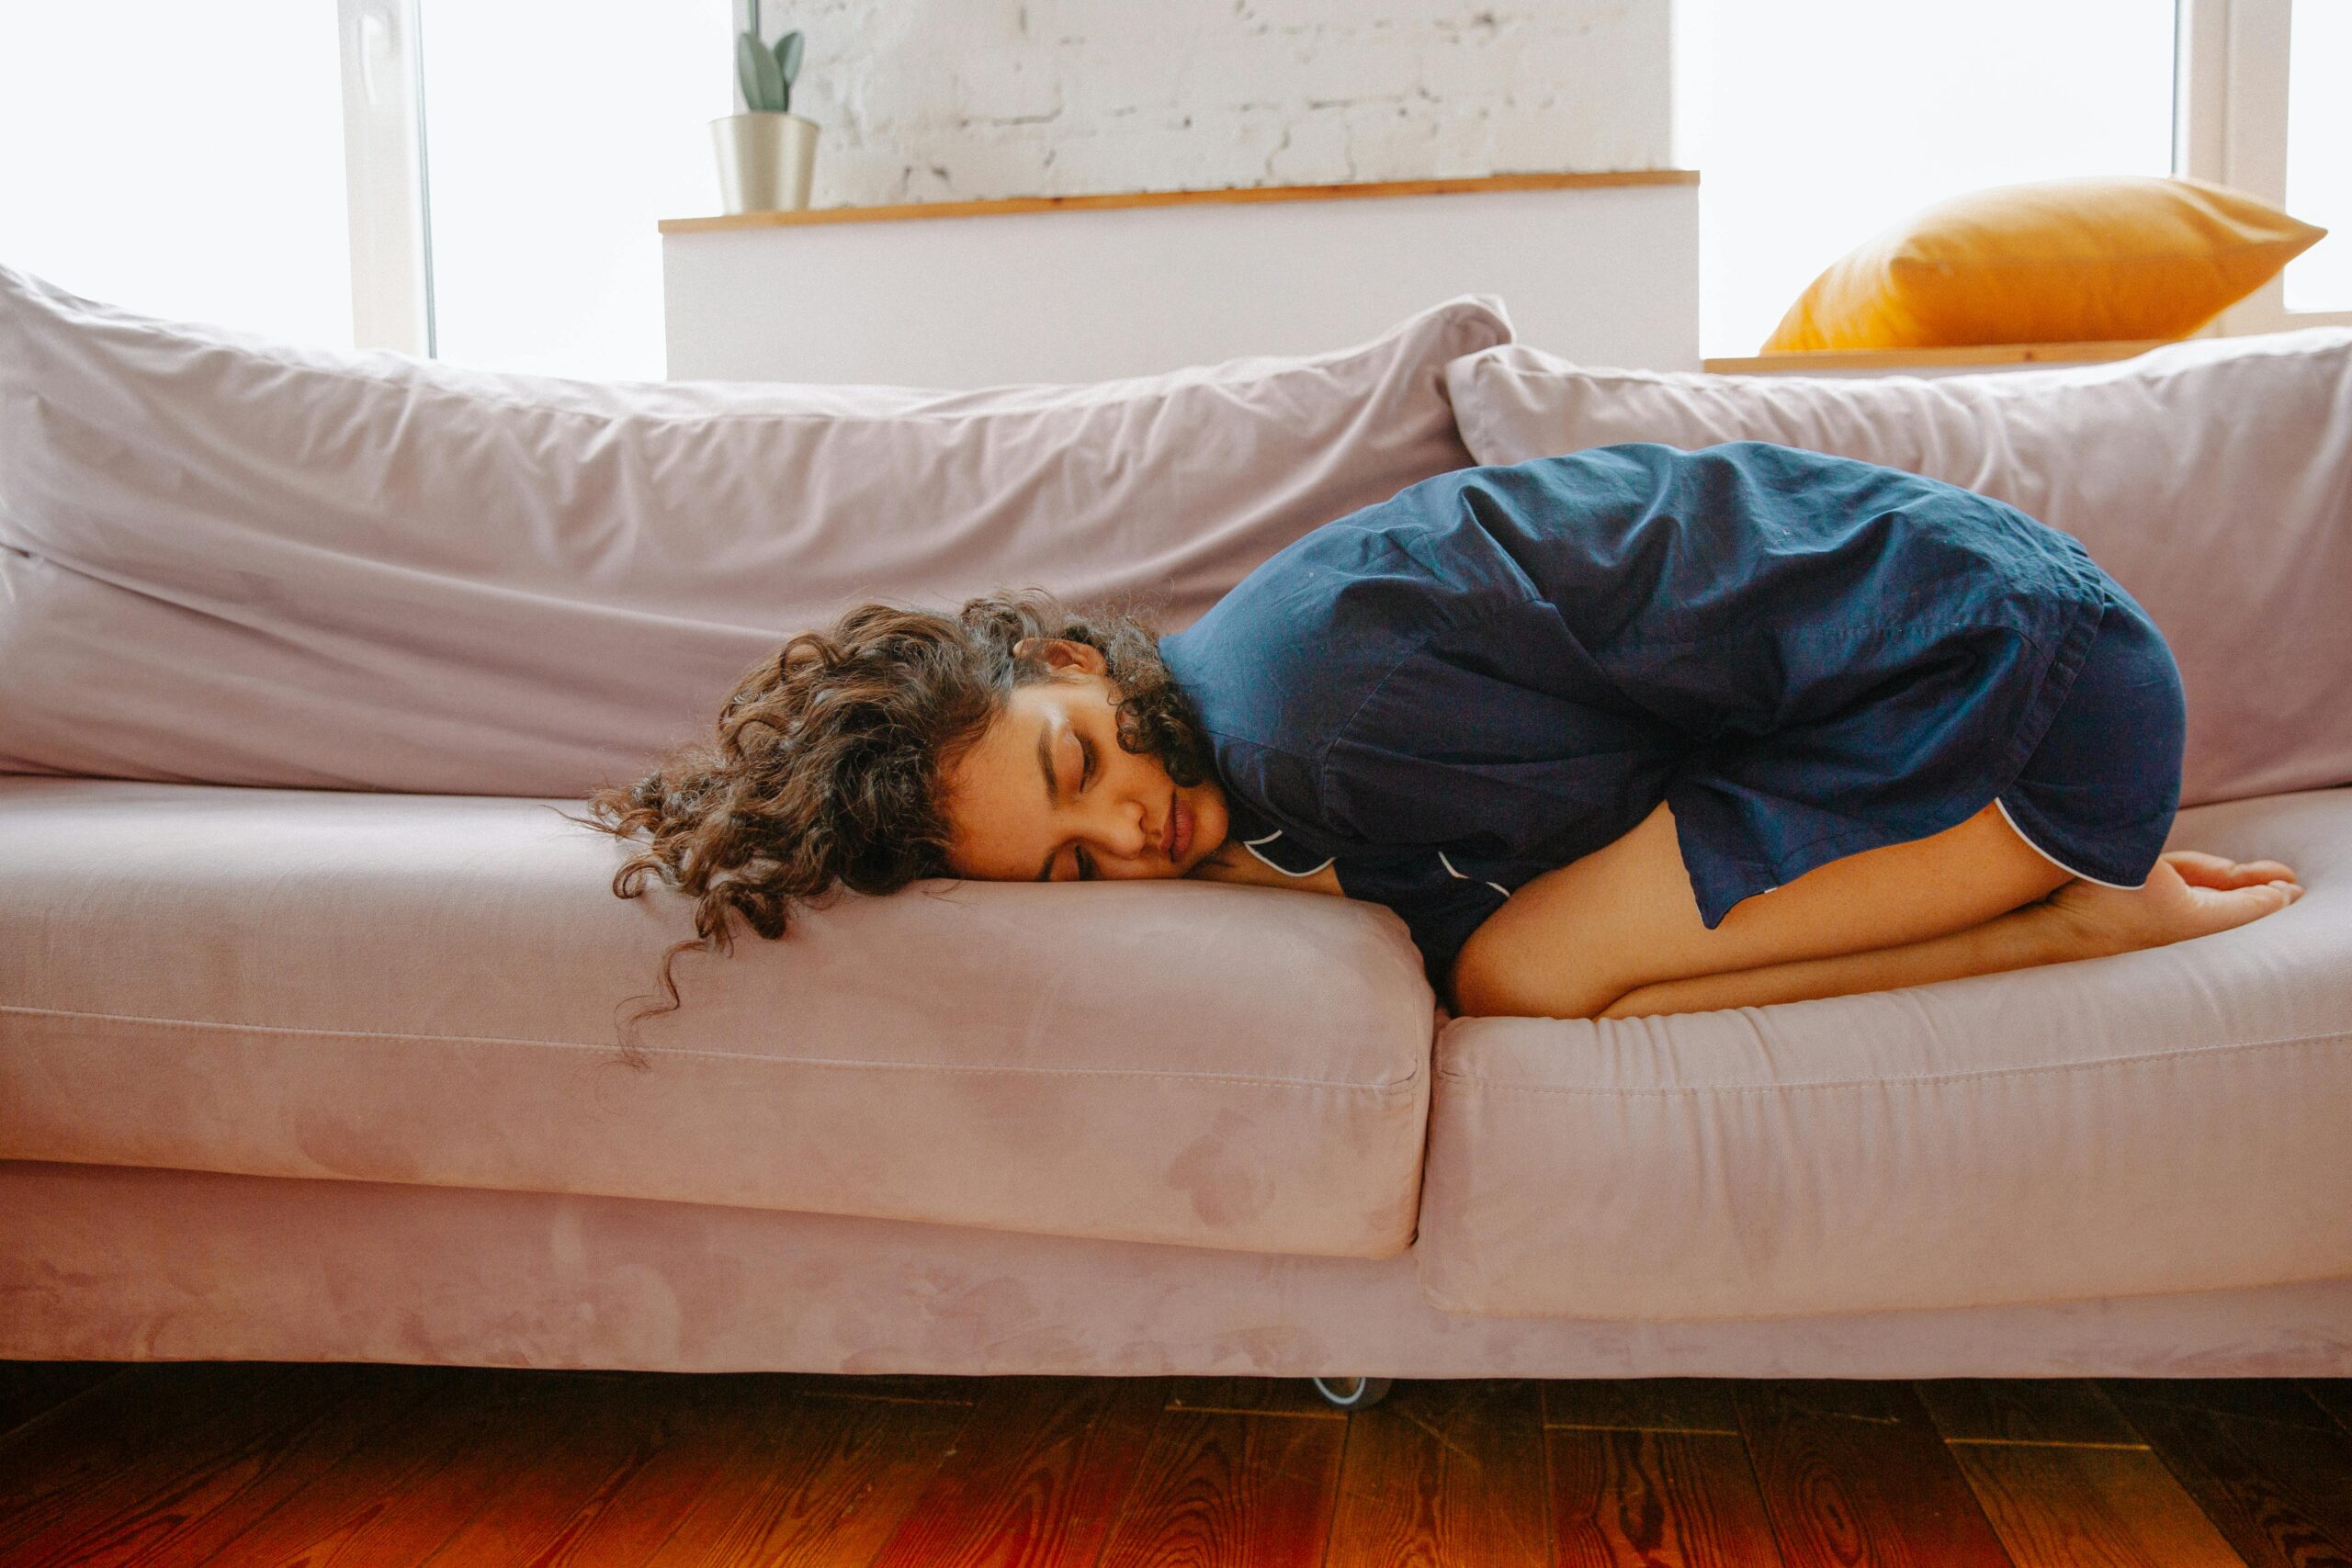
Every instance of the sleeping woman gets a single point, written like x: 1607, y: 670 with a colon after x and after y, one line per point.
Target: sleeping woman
x: 1628, y: 731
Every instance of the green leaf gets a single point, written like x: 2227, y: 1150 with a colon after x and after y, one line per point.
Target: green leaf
x: 762, y: 84
x: 788, y: 56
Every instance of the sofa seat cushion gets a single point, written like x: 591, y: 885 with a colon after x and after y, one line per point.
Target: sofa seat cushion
x: 2169, y: 1120
x: 424, y: 990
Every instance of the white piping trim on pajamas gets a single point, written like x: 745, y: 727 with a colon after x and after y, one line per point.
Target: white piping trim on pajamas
x: 1252, y: 845
x: 2054, y: 860
x: 1496, y: 886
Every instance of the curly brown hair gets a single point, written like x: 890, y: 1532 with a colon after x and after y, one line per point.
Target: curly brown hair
x: 827, y: 765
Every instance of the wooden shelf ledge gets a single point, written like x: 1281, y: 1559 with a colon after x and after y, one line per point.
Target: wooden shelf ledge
x: 1931, y: 358
x: 1236, y: 194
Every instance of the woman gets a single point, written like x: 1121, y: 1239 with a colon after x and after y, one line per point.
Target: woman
x: 1630, y: 730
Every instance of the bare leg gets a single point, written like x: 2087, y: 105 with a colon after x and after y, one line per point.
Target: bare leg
x: 2189, y: 894
x: 1574, y: 939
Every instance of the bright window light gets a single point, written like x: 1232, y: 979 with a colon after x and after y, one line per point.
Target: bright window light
x: 2319, y: 151
x: 558, y: 138
x: 182, y: 162
x: 1815, y: 124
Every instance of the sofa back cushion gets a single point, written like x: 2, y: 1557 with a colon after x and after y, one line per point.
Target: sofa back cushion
x: 230, y: 559
x: 2213, y: 478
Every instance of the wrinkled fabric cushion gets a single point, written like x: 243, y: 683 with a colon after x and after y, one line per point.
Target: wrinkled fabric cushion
x: 417, y: 989
x: 227, y: 558
x: 2213, y: 478
x: 2167, y: 1119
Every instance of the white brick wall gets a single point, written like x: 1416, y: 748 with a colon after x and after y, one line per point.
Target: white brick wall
x: 938, y: 100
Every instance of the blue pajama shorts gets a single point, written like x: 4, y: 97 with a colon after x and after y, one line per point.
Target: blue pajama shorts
x: 2098, y: 793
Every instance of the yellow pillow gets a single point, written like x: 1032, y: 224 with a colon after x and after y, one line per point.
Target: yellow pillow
x: 2058, y: 261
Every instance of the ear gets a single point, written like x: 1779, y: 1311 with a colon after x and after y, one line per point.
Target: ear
x: 1060, y: 653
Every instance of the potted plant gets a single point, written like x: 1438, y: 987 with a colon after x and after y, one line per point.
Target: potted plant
x: 766, y: 153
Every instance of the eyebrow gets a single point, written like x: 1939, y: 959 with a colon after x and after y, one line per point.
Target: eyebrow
x: 1053, y: 793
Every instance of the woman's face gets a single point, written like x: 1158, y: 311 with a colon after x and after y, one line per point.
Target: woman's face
x: 1046, y: 794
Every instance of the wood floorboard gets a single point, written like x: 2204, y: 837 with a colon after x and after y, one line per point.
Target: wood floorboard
x: 2280, y: 1401
x: 1633, y: 1499
x: 1854, y: 1471
x: 2265, y: 1462
x: 223, y: 1494
x: 2041, y: 1410
x: 1443, y: 1472
x: 1224, y: 1491
x: 30, y: 1388
x: 1036, y: 1477
x: 632, y: 1460
x: 392, y: 1502
x: 913, y: 1388
x: 2332, y: 1396
x: 1253, y: 1396
x: 1642, y: 1405
x: 2076, y: 1506
x: 86, y: 1438
x: 827, y: 1483
x: 172, y: 1435
x: 249, y: 1465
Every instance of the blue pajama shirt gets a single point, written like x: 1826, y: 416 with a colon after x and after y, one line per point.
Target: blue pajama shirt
x: 1502, y: 669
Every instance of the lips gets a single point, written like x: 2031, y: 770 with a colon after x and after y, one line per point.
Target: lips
x: 1177, y: 833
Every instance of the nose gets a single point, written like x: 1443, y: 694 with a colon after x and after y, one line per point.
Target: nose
x: 1128, y: 831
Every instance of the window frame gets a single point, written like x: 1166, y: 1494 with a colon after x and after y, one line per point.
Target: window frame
x: 2230, y: 127
x: 385, y: 172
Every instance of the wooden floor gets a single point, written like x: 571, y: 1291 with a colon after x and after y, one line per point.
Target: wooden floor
x: 336, y: 1466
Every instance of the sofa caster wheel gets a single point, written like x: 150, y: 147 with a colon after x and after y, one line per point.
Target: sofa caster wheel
x: 1353, y: 1394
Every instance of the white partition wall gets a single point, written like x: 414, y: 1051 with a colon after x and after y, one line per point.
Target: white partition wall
x: 1602, y: 268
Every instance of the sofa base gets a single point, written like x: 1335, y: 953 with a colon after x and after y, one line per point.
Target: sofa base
x: 103, y: 1263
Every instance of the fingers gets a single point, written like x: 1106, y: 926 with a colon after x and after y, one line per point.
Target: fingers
x: 2202, y: 870
x: 2220, y: 910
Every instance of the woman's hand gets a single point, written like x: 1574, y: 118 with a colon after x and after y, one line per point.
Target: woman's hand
x: 2189, y: 894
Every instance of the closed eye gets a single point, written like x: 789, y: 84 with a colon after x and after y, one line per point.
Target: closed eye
x: 1085, y: 777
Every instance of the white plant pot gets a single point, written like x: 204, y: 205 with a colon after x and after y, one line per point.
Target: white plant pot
x: 764, y: 161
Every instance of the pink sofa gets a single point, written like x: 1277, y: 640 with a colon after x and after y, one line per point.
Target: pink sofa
x: 327, y: 1073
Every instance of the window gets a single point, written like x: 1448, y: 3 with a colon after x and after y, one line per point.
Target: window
x: 182, y: 162
x: 556, y: 140
x: 2318, y: 152
x: 2261, y: 110
x: 223, y: 178
x: 1815, y: 124
x: 195, y: 163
